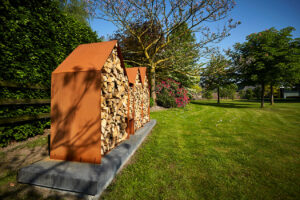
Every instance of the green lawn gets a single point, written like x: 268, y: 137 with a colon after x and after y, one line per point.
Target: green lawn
x: 207, y: 151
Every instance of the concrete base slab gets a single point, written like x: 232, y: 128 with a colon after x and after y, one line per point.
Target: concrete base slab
x: 89, y: 179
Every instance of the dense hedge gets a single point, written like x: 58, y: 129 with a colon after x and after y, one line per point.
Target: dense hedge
x: 22, y: 131
x: 35, y: 37
x: 23, y: 93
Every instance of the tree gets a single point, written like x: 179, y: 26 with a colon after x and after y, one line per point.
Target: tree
x: 215, y: 75
x: 269, y: 57
x: 168, y: 16
x: 207, y: 94
x: 228, y: 91
x: 77, y: 9
x: 184, y: 55
x: 183, y: 51
x: 249, y: 94
x: 257, y: 92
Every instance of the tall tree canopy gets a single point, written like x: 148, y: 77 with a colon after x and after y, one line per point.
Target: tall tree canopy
x: 77, y: 9
x: 269, y: 57
x: 167, y: 16
x: 183, y: 52
x: 216, y: 74
x: 183, y: 65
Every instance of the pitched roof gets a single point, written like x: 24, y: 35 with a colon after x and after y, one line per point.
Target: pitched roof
x: 143, y: 71
x: 87, y: 57
x: 131, y: 73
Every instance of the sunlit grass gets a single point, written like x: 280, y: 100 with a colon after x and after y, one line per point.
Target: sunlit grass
x: 207, y: 151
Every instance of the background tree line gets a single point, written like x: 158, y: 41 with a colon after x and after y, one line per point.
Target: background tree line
x: 268, y: 58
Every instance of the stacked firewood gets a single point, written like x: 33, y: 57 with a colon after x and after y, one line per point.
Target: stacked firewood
x: 114, y: 99
x: 146, y: 101
x: 138, y: 95
x: 131, y: 102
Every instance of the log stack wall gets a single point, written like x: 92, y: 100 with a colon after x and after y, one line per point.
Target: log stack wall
x: 146, y: 101
x: 114, y: 100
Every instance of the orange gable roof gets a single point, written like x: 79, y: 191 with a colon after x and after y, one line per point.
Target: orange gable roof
x: 131, y: 73
x: 87, y: 57
x: 143, y: 71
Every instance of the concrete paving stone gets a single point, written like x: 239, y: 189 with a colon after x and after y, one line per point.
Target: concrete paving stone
x: 85, y: 178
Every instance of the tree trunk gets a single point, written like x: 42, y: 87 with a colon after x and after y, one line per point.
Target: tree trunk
x: 218, y: 94
x: 153, y: 83
x: 262, y: 95
x: 272, y: 95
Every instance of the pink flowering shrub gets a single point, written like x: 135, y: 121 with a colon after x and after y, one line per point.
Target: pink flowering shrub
x: 170, y: 94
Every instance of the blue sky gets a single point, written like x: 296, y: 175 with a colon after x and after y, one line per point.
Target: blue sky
x: 255, y: 15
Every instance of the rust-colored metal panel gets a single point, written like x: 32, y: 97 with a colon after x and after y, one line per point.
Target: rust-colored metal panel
x: 149, y: 101
x: 76, y: 101
x: 87, y: 57
x: 131, y: 74
x: 143, y: 71
x: 75, y: 116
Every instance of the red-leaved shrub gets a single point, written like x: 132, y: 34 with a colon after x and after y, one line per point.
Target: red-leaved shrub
x: 171, y: 94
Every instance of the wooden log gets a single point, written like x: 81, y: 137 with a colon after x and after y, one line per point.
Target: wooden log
x: 113, y: 103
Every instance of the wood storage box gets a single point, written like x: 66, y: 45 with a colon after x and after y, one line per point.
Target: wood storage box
x: 88, y: 103
x: 139, y: 98
x: 135, y: 99
x: 145, y: 96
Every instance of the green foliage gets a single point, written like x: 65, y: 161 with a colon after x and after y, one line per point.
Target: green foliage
x: 197, y: 88
x: 19, y: 110
x: 216, y: 74
x: 76, y: 8
x: 276, y: 91
x: 249, y: 94
x: 35, y: 37
x: 151, y: 102
x: 270, y: 57
x: 184, y: 51
x: 242, y: 94
x: 164, y: 99
x: 228, y: 91
x: 23, y: 93
x: 20, y: 132
x: 207, y: 94
x: 257, y: 92
x: 190, y: 93
x: 171, y: 94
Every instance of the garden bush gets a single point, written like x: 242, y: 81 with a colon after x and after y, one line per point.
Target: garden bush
x: 35, y: 37
x: 207, y: 94
x: 21, y: 131
x: 170, y: 94
x: 151, y: 102
x: 242, y: 94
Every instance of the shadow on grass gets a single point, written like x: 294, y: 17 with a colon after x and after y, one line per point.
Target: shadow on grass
x: 232, y: 104
x: 267, y: 100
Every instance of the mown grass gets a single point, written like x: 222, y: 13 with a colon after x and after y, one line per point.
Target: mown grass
x: 234, y: 150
